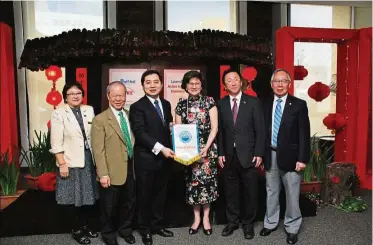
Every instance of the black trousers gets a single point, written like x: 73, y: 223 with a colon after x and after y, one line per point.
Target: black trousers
x: 151, y: 187
x: 117, y: 208
x: 240, y: 184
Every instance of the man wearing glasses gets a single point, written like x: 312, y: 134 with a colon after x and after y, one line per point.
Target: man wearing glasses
x: 287, y: 152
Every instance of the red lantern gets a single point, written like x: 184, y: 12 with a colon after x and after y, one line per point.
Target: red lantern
x: 334, y: 121
x: 54, y: 98
x: 319, y: 91
x: 249, y: 73
x: 250, y: 91
x: 300, y: 72
x: 53, y: 73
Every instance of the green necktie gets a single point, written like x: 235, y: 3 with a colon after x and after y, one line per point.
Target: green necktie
x: 126, y: 133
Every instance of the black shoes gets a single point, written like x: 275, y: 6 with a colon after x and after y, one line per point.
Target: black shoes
x: 248, y: 232
x: 163, y: 232
x: 130, y: 239
x: 266, y: 231
x: 193, y: 231
x: 147, y: 239
x: 228, y: 230
x: 292, y: 238
x: 80, y: 236
x: 110, y: 242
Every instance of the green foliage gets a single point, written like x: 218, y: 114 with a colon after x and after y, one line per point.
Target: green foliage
x: 38, y: 158
x: 316, y: 167
x: 9, y: 174
x: 353, y: 204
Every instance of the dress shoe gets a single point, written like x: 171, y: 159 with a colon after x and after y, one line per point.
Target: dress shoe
x: 89, y: 232
x: 165, y: 233
x: 147, y: 239
x: 193, y: 231
x: 111, y: 242
x: 130, y: 239
x: 228, y: 230
x: 207, y: 231
x: 248, y: 233
x: 292, y: 238
x: 266, y: 231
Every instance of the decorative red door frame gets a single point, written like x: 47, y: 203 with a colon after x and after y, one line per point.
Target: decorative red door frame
x: 349, y: 102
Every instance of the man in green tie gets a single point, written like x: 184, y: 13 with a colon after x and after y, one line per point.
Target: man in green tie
x: 112, y: 146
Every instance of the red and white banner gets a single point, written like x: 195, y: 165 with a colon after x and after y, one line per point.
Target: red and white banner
x: 172, y: 87
x: 132, y: 79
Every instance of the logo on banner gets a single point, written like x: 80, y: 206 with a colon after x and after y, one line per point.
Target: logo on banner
x: 128, y: 81
x: 130, y: 91
x: 185, y: 136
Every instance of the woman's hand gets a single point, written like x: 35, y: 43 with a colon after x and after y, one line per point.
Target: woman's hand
x: 203, y: 152
x: 64, y: 171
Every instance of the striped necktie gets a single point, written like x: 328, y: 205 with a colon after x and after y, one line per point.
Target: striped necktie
x: 126, y: 133
x: 276, y: 122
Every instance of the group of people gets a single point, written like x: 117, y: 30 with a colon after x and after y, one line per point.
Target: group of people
x: 122, y: 157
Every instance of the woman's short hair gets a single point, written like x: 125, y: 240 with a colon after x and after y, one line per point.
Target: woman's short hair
x: 69, y: 86
x: 188, y: 76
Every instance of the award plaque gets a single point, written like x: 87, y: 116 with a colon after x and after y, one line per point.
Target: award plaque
x: 185, y: 143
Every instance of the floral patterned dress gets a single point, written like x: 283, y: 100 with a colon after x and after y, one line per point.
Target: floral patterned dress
x: 201, y: 177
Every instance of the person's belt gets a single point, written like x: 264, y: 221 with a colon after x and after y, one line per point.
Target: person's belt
x: 273, y: 148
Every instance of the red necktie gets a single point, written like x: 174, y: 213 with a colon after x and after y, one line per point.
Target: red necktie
x: 234, y: 110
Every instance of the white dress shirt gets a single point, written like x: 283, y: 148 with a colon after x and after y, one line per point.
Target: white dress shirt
x: 283, y: 102
x: 116, y: 113
x: 238, y: 97
x: 158, y: 146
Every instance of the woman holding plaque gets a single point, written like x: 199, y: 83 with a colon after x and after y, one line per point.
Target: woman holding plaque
x: 201, y: 176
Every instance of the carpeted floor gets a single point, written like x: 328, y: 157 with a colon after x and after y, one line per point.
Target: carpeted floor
x: 330, y: 227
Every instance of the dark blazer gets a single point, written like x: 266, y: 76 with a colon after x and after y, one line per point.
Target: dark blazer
x: 293, y: 139
x: 149, y: 129
x: 248, y: 133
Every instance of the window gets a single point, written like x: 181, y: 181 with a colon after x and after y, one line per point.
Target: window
x: 187, y: 16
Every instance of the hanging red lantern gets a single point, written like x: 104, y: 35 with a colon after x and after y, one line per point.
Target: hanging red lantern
x: 54, y: 98
x: 300, y: 72
x: 319, y: 91
x: 249, y: 73
x: 53, y: 73
x: 249, y: 90
x: 334, y: 121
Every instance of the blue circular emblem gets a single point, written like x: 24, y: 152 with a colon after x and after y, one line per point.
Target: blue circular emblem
x: 185, y: 136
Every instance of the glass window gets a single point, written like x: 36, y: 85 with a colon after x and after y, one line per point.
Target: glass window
x: 47, y: 18
x: 197, y: 15
x: 320, y: 59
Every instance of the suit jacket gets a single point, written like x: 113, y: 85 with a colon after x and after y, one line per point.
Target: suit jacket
x: 248, y: 133
x: 149, y: 129
x: 293, y: 139
x: 67, y: 136
x: 109, y: 148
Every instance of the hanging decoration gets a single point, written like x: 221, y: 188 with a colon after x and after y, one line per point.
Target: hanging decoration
x: 319, y: 91
x: 54, y: 97
x: 300, y: 72
x: 249, y: 74
x: 111, y: 45
x: 335, y: 122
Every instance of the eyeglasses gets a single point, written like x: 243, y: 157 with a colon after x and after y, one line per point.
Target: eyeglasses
x: 194, y: 84
x: 74, y: 94
x: 283, y: 81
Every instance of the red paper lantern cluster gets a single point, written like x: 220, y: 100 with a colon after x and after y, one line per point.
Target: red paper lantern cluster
x: 319, y: 91
x: 249, y: 74
x: 300, y: 72
x: 54, y: 97
x: 334, y: 121
x: 53, y: 73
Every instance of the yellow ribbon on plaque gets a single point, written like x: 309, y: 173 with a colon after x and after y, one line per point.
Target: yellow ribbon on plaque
x: 185, y: 143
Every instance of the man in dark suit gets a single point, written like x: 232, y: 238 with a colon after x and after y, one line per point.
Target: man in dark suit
x: 241, y: 147
x: 150, y: 118
x: 287, y: 152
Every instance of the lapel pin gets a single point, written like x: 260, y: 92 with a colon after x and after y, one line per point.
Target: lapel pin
x: 289, y: 103
x: 244, y: 102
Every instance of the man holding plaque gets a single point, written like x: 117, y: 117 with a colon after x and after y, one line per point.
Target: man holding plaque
x: 241, y: 144
x: 150, y: 119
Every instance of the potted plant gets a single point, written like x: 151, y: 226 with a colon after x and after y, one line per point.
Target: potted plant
x: 9, y: 175
x: 38, y: 158
x: 314, y: 173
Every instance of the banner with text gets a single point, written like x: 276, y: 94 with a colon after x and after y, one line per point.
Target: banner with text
x: 132, y: 79
x: 172, y: 87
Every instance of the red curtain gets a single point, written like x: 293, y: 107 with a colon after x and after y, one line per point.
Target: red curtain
x: 8, y: 116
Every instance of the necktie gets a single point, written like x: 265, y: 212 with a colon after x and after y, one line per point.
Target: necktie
x: 126, y: 133
x: 234, y: 110
x: 158, y: 110
x: 276, y: 122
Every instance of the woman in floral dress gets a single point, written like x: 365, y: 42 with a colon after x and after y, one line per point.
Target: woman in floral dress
x: 201, y: 176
